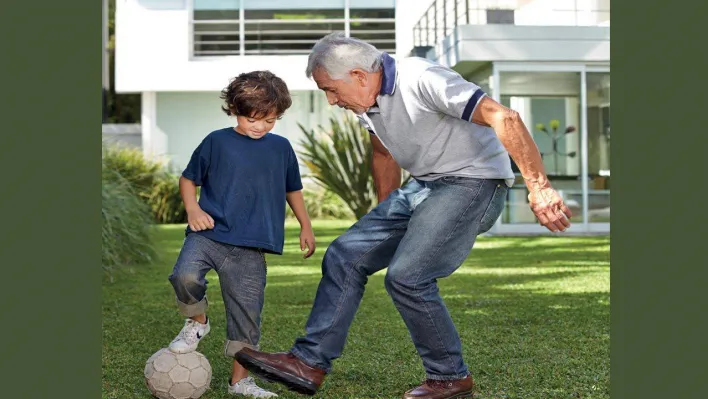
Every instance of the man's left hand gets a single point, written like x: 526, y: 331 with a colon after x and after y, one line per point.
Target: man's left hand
x: 549, y: 208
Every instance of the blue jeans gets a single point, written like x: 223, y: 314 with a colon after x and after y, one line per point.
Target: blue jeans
x: 242, y: 276
x: 421, y: 232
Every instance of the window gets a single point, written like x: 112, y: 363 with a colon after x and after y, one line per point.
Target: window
x: 275, y: 27
x: 215, y: 27
x: 374, y: 22
x: 279, y: 27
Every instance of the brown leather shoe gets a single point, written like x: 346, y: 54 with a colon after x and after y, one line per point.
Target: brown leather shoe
x: 437, y: 389
x: 283, y: 368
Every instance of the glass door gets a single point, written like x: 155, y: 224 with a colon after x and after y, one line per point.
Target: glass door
x: 566, y: 110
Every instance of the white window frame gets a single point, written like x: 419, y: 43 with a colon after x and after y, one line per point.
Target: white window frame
x: 583, y: 68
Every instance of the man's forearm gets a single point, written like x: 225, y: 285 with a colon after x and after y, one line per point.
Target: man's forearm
x: 386, y: 173
x: 523, y: 150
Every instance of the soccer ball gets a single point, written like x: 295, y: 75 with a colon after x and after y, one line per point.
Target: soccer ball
x: 171, y: 375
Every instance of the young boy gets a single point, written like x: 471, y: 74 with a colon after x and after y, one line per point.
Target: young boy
x: 246, y: 175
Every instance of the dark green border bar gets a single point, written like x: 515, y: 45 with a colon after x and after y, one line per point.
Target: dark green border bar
x: 658, y: 212
x: 50, y: 109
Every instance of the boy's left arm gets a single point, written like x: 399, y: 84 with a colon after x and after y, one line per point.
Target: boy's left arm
x: 307, y: 236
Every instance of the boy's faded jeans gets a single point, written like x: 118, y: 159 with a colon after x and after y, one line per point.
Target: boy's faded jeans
x: 242, y: 276
x: 421, y: 232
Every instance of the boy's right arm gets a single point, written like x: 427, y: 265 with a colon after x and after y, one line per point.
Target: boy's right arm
x: 196, y: 218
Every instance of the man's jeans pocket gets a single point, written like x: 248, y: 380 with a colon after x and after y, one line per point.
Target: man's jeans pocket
x: 494, y: 209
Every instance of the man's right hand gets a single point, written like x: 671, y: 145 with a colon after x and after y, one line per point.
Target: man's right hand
x: 549, y: 208
x: 385, y: 170
x: 199, y: 220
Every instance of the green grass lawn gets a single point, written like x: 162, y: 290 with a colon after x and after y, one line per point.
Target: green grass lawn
x: 533, y: 314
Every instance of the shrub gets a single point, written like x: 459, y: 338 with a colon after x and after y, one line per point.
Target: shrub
x: 323, y: 204
x: 131, y: 165
x: 165, y: 200
x: 332, y: 206
x: 152, y: 181
x: 125, y: 223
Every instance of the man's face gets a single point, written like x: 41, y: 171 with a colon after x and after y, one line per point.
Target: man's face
x: 352, y: 93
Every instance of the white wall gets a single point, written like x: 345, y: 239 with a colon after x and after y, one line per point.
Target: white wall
x: 408, y: 13
x: 557, y: 84
x: 481, y: 43
x: 153, y: 50
x: 153, y: 54
x: 563, y: 13
x: 153, y: 46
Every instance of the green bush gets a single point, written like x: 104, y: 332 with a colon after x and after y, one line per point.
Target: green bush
x: 332, y: 206
x: 125, y: 223
x: 323, y: 204
x: 153, y: 182
x: 165, y: 200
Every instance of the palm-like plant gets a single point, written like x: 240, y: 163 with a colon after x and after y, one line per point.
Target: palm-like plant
x: 339, y: 160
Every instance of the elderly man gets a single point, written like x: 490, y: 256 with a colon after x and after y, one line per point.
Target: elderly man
x: 455, y: 141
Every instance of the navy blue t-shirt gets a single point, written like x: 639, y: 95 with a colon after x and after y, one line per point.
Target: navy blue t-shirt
x: 243, y: 185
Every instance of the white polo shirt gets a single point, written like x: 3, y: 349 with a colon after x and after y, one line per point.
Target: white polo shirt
x: 423, y: 119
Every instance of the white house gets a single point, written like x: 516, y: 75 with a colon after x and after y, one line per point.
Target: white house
x: 181, y: 53
x: 548, y: 59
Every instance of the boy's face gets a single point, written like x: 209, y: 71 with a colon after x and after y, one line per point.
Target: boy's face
x: 255, y: 128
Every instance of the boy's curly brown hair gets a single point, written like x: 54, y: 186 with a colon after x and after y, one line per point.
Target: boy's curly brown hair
x: 256, y: 94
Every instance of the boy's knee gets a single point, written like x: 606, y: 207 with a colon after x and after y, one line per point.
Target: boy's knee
x: 184, y: 279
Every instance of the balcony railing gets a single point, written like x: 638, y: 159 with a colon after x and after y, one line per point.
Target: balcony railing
x: 252, y: 31
x: 443, y: 16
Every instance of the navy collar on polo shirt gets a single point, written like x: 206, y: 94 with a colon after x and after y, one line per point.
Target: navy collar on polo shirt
x: 388, y: 81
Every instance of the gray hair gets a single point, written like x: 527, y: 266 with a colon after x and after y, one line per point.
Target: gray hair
x: 339, y: 54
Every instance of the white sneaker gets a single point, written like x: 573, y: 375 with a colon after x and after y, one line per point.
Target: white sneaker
x: 189, y: 337
x: 248, y: 387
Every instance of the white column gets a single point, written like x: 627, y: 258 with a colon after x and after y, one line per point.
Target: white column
x: 241, y: 29
x: 154, y: 141
x: 190, y: 27
x: 347, y: 19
